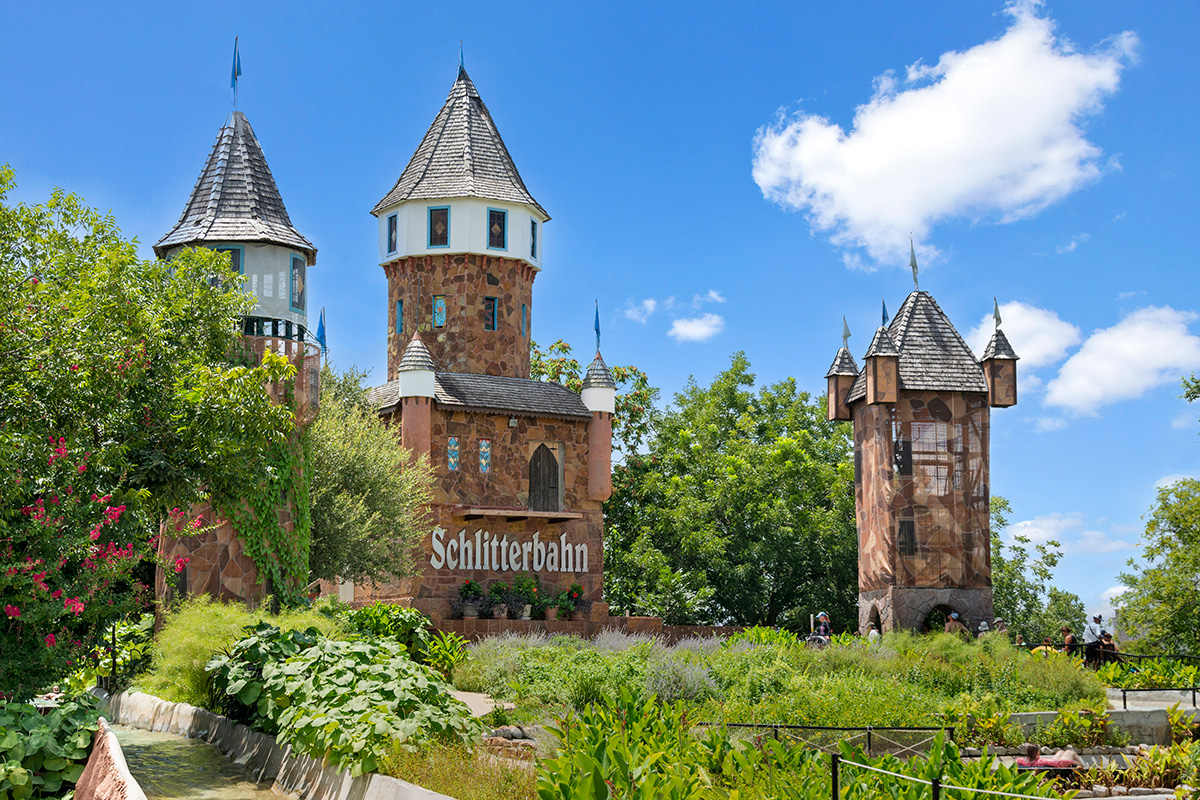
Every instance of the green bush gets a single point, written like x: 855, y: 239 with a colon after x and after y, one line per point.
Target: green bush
x: 406, y: 625
x: 237, y: 674
x: 352, y: 702
x: 196, y: 630
x: 43, y: 754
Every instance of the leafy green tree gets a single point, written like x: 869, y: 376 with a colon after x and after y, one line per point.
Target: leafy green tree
x: 741, y: 510
x: 368, y: 498
x: 635, y: 395
x: 118, y: 405
x: 1023, y: 593
x: 1161, y: 606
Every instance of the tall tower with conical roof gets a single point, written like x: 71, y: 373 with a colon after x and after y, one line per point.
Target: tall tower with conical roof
x: 920, y: 408
x: 460, y: 241
x: 235, y: 208
x: 522, y: 467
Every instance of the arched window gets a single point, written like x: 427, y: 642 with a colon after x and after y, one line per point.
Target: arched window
x: 543, y: 480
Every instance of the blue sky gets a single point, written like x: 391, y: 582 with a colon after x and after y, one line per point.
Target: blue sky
x: 729, y: 178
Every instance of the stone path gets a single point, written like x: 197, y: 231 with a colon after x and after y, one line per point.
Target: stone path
x: 480, y: 704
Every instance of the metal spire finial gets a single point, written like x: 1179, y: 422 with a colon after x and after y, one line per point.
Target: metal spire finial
x: 912, y: 262
x: 597, y: 327
x: 462, y: 64
x: 885, y: 314
x: 845, y: 334
x: 996, y: 312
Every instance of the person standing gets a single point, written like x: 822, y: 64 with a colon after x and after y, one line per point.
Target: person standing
x: 1070, y: 645
x: 954, y: 625
x: 1091, y: 641
x: 824, y: 629
x: 872, y: 633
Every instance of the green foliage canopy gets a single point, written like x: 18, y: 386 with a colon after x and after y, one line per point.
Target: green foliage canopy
x: 368, y: 498
x: 741, y: 510
x: 1023, y: 594
x: 1161, y: 606
x: 117, y: 404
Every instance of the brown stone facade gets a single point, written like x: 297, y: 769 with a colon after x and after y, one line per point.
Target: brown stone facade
x: 465, y: 280
x: 480, y: 507
x: 921, y: 497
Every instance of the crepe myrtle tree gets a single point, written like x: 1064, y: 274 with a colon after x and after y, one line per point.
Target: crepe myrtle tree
x: 118, y: 406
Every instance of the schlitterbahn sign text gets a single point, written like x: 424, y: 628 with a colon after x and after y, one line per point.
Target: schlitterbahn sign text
x: 500, y: 554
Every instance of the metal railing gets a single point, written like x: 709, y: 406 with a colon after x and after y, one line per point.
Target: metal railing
x: 936, y: 785
x: 1125, y: 694
x: 897, y: 741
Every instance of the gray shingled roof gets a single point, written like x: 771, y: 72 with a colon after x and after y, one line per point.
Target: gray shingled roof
x: 416, y: 356
x: 843, y: 364
x: 999, y: 347
x: 882, y: 344
x: 493, y: 393
x: 462, y: 155
x: 598, y: 376
x: 933, y: 357
x: 235, y: 198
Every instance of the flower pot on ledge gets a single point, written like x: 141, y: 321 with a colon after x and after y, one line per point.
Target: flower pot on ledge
x: 551, y: 614
x: 470, y: 611
x: 527, y: 611
x: 500, y: 611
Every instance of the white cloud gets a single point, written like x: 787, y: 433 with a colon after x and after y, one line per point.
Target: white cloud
x: 712, y: 296
x: 1184, y: 421
x: 1107, y: 598
x: 1127, y: 295
x: 1072, y: 244
x: 697, y: 329
x: 1167, y: 480
x: 640, y: 312
x: 1148, y: 348
x: 1047, y: 424
x: 990, y: 132
x: 1069, y: 531
x: 1039, y: 336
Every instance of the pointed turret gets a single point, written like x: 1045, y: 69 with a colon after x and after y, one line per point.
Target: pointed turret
x: 1000, y: 371
x: 882, y: 368
x: 236, y: 208
x: 599, y: 389
x: 840, y: 378
x: 416, y: 370
x: 461, y: 191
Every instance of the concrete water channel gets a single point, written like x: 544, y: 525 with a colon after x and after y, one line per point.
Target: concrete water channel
x: 169, y: 767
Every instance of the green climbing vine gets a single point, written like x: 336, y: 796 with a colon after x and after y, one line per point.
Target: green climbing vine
x: 258, y: 514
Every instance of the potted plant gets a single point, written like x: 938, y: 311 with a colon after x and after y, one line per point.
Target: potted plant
x: 579, y: 606
x: 564, y: 604
x: 497, y: 596
x: 470, y: 593
x: 528, y: 590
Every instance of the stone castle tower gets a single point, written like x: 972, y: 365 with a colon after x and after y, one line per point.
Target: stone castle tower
x: 236, y: 208
x: 522, y: 466
x: 920, y: 409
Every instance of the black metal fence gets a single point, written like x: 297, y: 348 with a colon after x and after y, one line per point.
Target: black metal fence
x: 901, y: 742
x: 1125, y: 694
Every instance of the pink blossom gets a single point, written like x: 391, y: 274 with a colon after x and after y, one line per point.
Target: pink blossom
x: 180, y: 563
x: 50, y: 640
x: 62, y: 440
x: 82, y: 468
x: 57, y: 593
x: 73, y: 604
x: 12, y: 611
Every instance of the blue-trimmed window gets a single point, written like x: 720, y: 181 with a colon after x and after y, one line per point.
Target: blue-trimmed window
x: 439, y: 310
x: 489, y: 313
x: 399, y: 316
x: 299, y: 289
x: 524, y: 313
x: 497, y: 229
x: 452, y: 453
x: 237, y: 260
x: 439, y: 226
x: 532, y: 238
x: 393, y: 232
x: 485, y: 455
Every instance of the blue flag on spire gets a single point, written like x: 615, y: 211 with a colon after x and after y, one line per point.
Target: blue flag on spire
x: 321, y: 332
x: 237, y: 66
x: 885, y: 314
x: 597, y: 326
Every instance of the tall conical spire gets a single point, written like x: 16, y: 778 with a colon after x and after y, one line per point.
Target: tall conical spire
x: 235, y: 199
x: 462, y: 155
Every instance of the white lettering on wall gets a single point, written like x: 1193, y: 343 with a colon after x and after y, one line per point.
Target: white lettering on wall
x: 482, y: 550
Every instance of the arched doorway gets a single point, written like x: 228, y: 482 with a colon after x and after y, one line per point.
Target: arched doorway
x: 935, y: 621
x: 874, y: 619
x: 543, y: 480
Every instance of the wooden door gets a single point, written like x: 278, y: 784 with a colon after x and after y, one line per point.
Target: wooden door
x: 543, y: 480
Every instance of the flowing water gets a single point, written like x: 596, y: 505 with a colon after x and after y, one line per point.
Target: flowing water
x: 168, y: 766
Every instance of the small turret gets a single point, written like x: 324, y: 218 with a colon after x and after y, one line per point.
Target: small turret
x: 1000, y: 371
x: 882, y: 367
x: 415, y: 376
x: 840, y: 377
x: 599, y: 390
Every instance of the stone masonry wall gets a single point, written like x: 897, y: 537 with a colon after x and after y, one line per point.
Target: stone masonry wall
x: 921, y: 496
x: 462, y: 344
x: 504, y: 486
